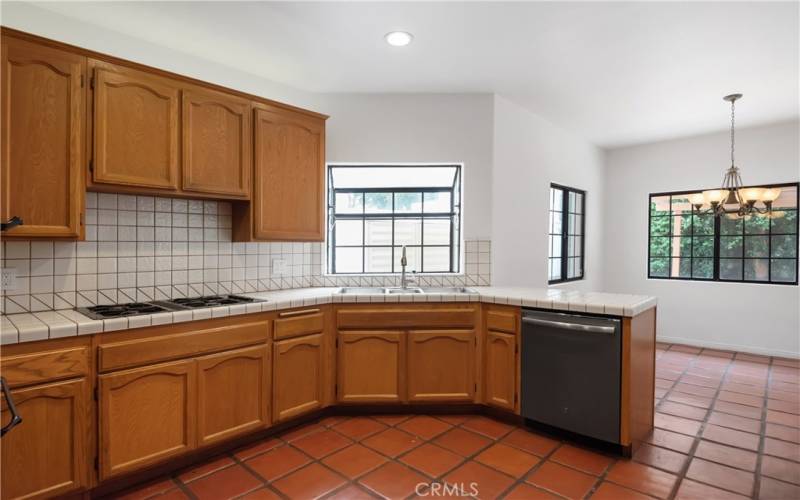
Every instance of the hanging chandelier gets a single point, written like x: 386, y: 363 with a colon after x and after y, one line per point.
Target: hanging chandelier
x: 732, y: 198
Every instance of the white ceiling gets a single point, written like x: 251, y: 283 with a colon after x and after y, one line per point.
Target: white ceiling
x: 616, y: 73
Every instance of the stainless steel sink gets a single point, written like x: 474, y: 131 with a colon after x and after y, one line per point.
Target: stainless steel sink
x: 449, y: 290
x: 362, y: 290
x: 399, y: 290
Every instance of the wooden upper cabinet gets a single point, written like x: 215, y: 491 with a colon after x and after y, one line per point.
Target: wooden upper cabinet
x: 500, y: 369
x: 233, y: 393
x: 297, y: 376
x: 371, y: 366
x: 216, y: 143
x: 146, y: 415
x: 441, y: 365
x: 136, y: 124
x: 43, y: 120
x: 47, y: 455
x: 288, y: 199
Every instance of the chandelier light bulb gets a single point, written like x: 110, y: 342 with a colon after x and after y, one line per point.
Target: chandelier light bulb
x: 715, y: 196
x: 770, y: 195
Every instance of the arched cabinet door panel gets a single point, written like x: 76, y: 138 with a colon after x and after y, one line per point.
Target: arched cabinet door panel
x: 136, y: 124
x: 297, y: 376
x: 441, y: 365
x: 43, y: 120
x: 146, y: 415
x: 371, y: 366
x: 500, y: 371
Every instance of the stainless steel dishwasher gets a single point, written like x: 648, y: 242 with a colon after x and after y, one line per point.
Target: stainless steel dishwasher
x: 570, y: 371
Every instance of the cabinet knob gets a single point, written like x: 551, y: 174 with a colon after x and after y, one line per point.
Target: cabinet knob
x: 12, y: 222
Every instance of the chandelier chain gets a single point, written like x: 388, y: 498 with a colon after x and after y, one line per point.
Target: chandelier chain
x: 733, y: 123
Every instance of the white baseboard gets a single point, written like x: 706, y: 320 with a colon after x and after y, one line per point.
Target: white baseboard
x: 729, y: 347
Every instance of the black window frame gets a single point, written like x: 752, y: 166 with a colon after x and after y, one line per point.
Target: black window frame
x: 717, y: 235
x: 565, y: 234
x: 454, y: 215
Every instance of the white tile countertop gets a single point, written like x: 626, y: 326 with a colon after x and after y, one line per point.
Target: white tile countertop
x: 26, y: 327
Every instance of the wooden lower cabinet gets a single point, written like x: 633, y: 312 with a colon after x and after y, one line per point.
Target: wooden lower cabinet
x: 371, y: 366
x: 146, y: 415
x: 233, y: 393
x: 297, y: 376
x: 441, y: 365
x: 500, y: 369
x: 47, y: 454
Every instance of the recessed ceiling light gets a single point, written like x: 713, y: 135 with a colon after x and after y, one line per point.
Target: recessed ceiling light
x: 398, y: 38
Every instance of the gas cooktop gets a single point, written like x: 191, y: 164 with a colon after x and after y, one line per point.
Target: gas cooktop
x: 208, y: 301
x: 121, y: 310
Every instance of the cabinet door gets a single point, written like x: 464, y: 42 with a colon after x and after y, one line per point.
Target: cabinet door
x: 441, y: 365
x: 43, y: 120
x: 297, y: 376
x: 216, y: 143
x: 47, y: 454
x: 371, y: 366
x: 233, y: 393
x: 146, y: 415
x: 500, y: 369
x: 289, y: 176
x: 135, y: 129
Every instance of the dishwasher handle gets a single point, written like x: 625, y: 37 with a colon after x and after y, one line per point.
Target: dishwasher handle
x: 575, y: 327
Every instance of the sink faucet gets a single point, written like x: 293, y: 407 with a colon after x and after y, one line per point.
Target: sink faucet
x: 403, y: 263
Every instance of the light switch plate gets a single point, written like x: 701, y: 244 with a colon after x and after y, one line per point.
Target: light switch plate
x: 280, y: 267
x: 9, y: 279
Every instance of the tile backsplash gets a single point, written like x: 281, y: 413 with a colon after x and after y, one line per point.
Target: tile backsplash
x: 142, y: 248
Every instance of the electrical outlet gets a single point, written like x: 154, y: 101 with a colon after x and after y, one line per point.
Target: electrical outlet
x: 280, y: 267
x: 9, y: 279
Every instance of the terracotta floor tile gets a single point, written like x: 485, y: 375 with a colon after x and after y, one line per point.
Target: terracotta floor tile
x: 581, y: 459
x: 465, y: 443
x: 320, y: 444
x: 690, y: 399
x: 354, y: 461
x: 488, y: 427
x: 671, y: 440
x: 783, y: 386
x: 391, y: 419
x: 700, y: 380
x: 681, y: 410
x: 686, y: 348
x: 794, y: 363
x: 642, y: 478
x: 351, y: 492
x: 226, y: 483
x: 562, y: 480
x: 750, y: 390
x: 783, y: 432
x: 660, y: 458
x: 312, y: 481
x: 611, y: 491
x: 531, y: 442
x: 490, y: 483
x: 392, y: 442
x: 793, y: 397
x: 772, y: 489
x: 743, y: 399
x: 149, y: 489
x: 778, y: 468
x: 746, y: 380
x: 262, y: 494
x: 784, y: 406
x: 735, y: 422
x: 424, y: 426
x: 705, y: 392
x: 664, y: 383
x: 431, y: 460
x: 299, y: 432
x: 783, y: 449
x: 677, y: 424
x: 783, y: 374
x: 734, y: 457
x: 507, y: 459
x: 737, y: 409
x: 257, y: 448
x: 731, y: 437
x: 692, y: 490
x: 358, y: 428
x: 277, y: 462
x: 667, y: 376
x: 393, y: 480
x: 206, y: 468
x: 454, y: 419
x: 752, y: 357
x: 525, y: 491
x: 174, y: 494
x: 779, y: 417
x: 721, y: 476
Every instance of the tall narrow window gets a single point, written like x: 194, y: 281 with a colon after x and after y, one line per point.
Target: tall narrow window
x: 373, y: 211
x: 567, y: 223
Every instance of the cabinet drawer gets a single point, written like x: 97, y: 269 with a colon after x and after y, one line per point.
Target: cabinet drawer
x: 296, y: 323
x: 38, y: 367
x: 501, y: 321
x: 406, y: 318
x: 138, y: 352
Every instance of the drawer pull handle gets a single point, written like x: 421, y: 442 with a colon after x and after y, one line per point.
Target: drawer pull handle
x: 12, y: 222
x: 289, y: 314
x: 575, y: 327
x: 15, y: 418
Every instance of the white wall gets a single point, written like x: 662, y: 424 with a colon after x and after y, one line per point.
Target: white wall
x: 747, y: 317
x: 529, y: 154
